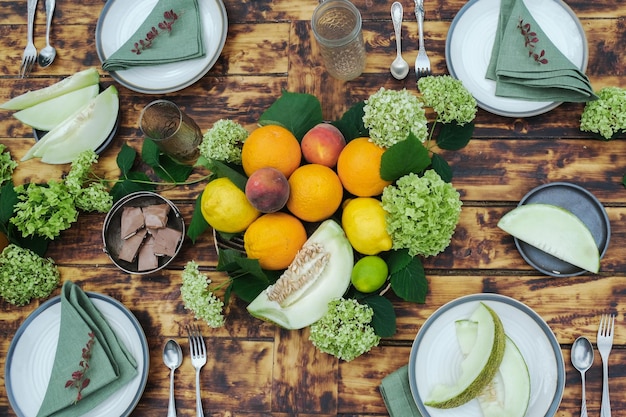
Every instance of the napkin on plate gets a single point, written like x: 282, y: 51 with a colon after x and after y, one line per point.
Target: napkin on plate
x: 183, y: 42
x: 110, y: 367
x: 518, y: 75
x: 397, y: 395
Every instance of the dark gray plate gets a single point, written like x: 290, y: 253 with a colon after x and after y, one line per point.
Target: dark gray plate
x: 585, y: 206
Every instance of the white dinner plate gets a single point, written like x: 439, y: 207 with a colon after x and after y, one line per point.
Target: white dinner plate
x: 31, y: 356
x: 121, y: 18
x: 470, y: 41
x: 436, y: 357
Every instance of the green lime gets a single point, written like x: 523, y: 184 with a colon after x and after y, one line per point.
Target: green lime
x: 369, y: 273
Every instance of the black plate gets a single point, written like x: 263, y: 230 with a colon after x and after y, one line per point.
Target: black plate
x: 585, y: 206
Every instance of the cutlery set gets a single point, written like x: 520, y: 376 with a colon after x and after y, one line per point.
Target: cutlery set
x: 173, y: 358
x: 399, y: 67
x: 582, y: 359
x: 48, y: 53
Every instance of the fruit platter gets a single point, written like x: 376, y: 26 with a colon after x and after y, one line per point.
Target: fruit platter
x: 318, y: 222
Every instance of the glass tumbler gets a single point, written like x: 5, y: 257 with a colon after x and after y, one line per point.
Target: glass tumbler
x: 337, y: 28
x: 173, y: 131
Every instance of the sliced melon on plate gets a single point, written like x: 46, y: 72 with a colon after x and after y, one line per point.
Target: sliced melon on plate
x: 50, y: 113
x: 84, y: 130
x: 479, y: 367
x: 74, y: 82
x: 556, y: 231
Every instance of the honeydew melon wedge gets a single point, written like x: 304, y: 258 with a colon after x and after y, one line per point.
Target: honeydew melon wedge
x: 479, y: 367
x: 74, y: 82
x: 50, y: 113
x: 320, y: 273
x: 86, y: 129
x: 556, y: 231
x: 508, y: 394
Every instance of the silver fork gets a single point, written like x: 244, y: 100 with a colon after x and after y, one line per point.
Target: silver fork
x: 30, y: 52
x: 197, y: 350
x: 422, y: 63
x: 605, y: 342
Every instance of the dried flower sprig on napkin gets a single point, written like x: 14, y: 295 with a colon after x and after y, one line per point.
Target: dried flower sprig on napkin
x: 166, y: 25
x: 530, y: 42
x: 79, y: 379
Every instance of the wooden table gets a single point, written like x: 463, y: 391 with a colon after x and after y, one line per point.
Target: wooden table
x: 255, y: 369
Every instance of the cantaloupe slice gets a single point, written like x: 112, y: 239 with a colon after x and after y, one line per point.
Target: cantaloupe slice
x: 556, y: 231
x: 84, y: 130
x: 76, y: 81
x: 50, y: 113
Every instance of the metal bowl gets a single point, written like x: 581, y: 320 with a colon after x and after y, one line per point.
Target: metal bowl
x: 111, y: 230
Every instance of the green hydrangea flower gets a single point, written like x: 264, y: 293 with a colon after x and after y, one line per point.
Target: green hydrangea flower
x: 391, y: 115
x: 605, y: 116
x: 24, y: 275
x: 7, y: 165
x: 448, y: 98
x: 198, y: 298
x: 345, y: 331
x: 223, y: 141
x: 422, y: 213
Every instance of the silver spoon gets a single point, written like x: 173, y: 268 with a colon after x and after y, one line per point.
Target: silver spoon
x: 48, y: 53
x: 582, y: 358
x: 399, y: 67
x: 172, y: 357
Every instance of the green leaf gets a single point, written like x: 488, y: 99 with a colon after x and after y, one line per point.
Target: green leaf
x: 409, y: 155
x: 8, y: 199
x: 130, y: 185
x: 198, y: 225
x: 453, y: 136
x: 126, y: 159
x: 150, y: 153
x: 297, y: 112
x: 164, y: 166
x: 248, y: 277
x: 384, y: 319
x: 442, y: 168
x: 351, y: 123
x: 409, y: 283
x: 220, y: 169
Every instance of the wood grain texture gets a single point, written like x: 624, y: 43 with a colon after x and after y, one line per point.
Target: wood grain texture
x: 254, y: 368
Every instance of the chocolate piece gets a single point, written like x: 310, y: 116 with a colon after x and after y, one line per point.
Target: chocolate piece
x: 165, y: 241
x: 131, y: 246
x: 132, y: 220
x: 147, y: 259
x: 155, y: 216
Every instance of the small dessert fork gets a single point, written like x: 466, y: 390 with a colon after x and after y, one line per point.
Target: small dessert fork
x: 30, y: 52
x: 422, y: 63
x: 605, y: 342
x: 197, y: 349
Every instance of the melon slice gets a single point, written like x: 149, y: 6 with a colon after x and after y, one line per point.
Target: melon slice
x: 508, y: 393
x: 319, y: 273
x: 479, y: 367
x: 76, y: 81
x: 84, y: 130
x: 556, y: 231
x: 50, y: 113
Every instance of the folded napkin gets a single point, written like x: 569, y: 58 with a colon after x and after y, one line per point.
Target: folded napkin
x: 397, y: 395
x: 110, y: 366
x: 519, y: 75
x: 183, y: 42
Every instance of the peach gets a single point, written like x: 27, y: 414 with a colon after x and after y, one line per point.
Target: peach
x: 267, y: 189
x: 322, y: 145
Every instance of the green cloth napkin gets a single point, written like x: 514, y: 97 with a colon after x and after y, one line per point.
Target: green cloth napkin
x: 397, y: 395
x: 183, y: 42
x: 110, y: 367
x: 518, y: 75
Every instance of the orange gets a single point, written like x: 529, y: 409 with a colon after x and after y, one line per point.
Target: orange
x: 274, y: 239
x: 271, y: 146
x: 315, y: 192
x: 358, y: 168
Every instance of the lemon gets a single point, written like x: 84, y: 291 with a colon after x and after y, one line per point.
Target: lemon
x: 369, y: 273
x: 364, y: 222
x: 225, y: 207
